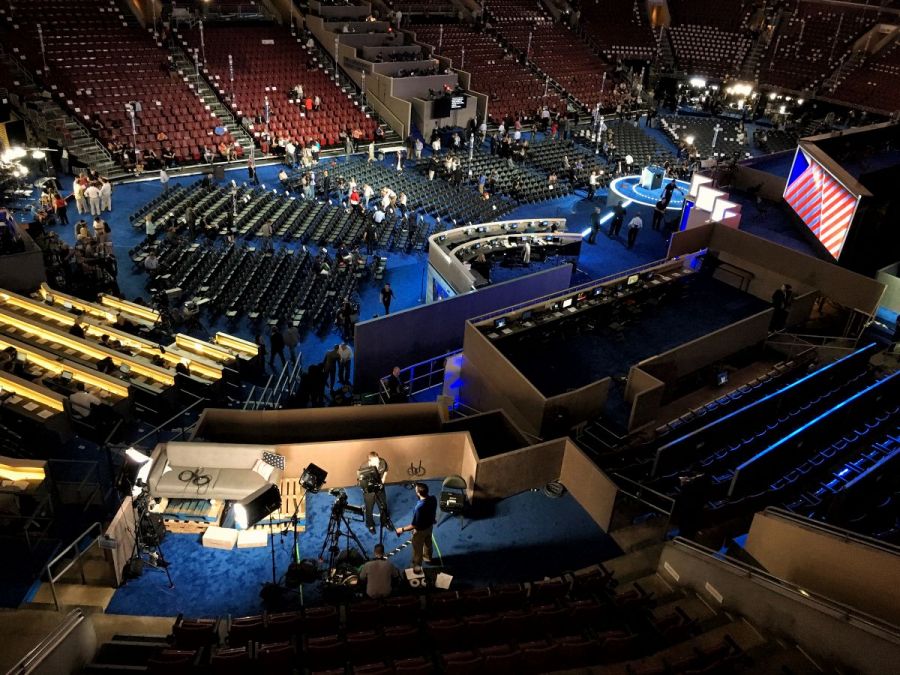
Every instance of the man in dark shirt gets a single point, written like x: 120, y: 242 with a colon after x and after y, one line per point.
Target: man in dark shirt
x: 330, y: 364
x: 387, y: 294
x: 276, y: 346
x: 618, y: 219
x: 424, y: 516
x: 373, y: 492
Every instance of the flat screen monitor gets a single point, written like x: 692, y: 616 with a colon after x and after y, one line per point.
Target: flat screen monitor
x: 597, y: 291
x: 66, y: 304
x: 500, y: 323
x: 632, y: 280
x: 481, y: 229
x: 458, y: 101
x: 722, y: 378
x: 526, y: 315
x: 568, y: 302
x: 476, y: 247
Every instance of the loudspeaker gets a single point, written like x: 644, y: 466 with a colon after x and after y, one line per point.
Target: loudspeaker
x: 219, y: 172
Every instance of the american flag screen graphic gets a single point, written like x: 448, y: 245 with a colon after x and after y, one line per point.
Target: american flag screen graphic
x: 826, y: 206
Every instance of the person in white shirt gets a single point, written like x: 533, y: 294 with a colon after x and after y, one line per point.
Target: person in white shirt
x: 379, y: 216
x: 78, y: 193
x: 151, y: 263
x: 164, y: 180
x: 634, y: 226
x: 368, y: 193
x: 345, y: 357
x: 149, y: 226
x: 92, y: 194
x: 290, y: 151
x: 526, y: 255
x: 372, y: 151
x: 105, y: 195
x: 81, y: 401
x: 593, y: 181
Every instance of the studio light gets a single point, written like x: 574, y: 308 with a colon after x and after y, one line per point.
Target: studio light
x: 135, y: 472
x: 698, y: 82
x: 257, y: 505
x: 313, y: 478
x: 689, y: 140
x: 38, y: 154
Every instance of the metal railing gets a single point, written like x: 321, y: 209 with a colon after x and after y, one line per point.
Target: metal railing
x: 159, y: 428
x: 48, y: 644
x: 272, y: 395
x: 581, y: 287
x: 82, y: 544
x: 659, y: 502
x: 837, y: 609
x: 838, y: 343
x: 420, y: 376
x: 833, y: 530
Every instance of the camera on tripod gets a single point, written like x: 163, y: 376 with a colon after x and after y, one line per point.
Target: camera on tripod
x: 341, y: 503
x: 369, y: 479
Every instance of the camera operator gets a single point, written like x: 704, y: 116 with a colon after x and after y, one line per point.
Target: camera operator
x: 373, y: 491
x: 379, y: 574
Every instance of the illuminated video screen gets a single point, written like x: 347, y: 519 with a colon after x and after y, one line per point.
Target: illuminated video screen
x: 823, y: 204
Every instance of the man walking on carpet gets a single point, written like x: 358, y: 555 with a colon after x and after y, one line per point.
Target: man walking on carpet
x: 422, y: 525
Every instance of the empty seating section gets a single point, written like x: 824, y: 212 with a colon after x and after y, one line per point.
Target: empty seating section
x: 619, y: 29
x: 806, y: 441
x: 511, y: 86
x: 269, y: 62
x: 874, y: 84
x: 812, y: 40
x: 709, y: 37
x: 570, y: 622
x: 703, y: 130
x: 557, y: 51
x: 426, y: 7
x: 97, y: 63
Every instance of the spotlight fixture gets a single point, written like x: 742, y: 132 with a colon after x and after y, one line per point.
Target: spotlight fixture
x: 257, y: 505
x: 313, y: 478
x: 135, y: 472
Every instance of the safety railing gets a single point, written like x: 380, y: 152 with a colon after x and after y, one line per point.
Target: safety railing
x: 821, y: 342
x: 48, y: 644
x: 419, y: 376
x: 581, y: 287
x: 838, y: 609
x: 833, y: 530
x: 184, y: 427
x: 271, y: 396
x: 78, y: 549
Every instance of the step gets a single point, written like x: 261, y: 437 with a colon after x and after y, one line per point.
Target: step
x: 634, y: 565
x: 654, y: 585
x: 75, y: 595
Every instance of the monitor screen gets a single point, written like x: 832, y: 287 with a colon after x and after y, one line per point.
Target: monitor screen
x: 597, y: 291
x: 481, y: 229
x: 526, y: 315
x: 632, y: 280
x: 442, y: 237
x: 554, y: 307
x: 500, y: 323
x: 458, y: 101
x: 567, y: 302
x: 441, y: 107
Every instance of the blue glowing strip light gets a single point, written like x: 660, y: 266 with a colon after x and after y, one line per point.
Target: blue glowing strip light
x: 795, y: 383
x: 813, y: 422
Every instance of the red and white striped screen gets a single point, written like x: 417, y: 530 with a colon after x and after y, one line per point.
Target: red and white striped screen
x: 826, y: 206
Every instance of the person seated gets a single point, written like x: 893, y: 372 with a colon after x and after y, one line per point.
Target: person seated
x: 8, y: 359
x: 81, y: 402
x: 168, y: 156
x: 76, y: 330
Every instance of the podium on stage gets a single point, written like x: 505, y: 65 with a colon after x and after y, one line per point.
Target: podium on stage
x: 652, y: 177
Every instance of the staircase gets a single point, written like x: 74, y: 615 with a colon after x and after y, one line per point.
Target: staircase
x: 187, y: 68
x: 750, y: 67
x: 664, y: 47
x: 846, y: 68
x: 49, y: 120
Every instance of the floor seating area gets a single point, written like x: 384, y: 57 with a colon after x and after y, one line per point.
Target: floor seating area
x: 97, y: 62
x: 267, y: 63
x: 812, y: 40
x: 642, y: 623
x: 619, y: 29
x: 511, y: 86
x: 807, y: 445
x: 629, y: 139
x: 702, y: 130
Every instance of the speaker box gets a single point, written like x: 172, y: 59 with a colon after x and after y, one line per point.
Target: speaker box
x: 219, y: 172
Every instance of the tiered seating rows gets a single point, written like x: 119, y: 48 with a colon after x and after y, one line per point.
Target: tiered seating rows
x: 620, y: 29
x: 98, y: 64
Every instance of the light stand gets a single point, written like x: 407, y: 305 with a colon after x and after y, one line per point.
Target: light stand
x: 253, y: 508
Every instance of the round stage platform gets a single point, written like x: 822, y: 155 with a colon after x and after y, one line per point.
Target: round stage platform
x: 628, y: 188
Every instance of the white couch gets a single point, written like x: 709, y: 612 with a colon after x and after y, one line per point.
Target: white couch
x: 230, y: 469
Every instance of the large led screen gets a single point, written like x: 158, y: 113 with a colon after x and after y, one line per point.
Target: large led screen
x: 826, y: 206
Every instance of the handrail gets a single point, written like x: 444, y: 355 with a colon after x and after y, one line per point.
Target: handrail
x: 834, y: 606
x: 833, y: 530
x: 640, y: 488
x: 575, y: 289
x: 157, y: 429
x: 53, y: 578
x: 411, y: 370
x: 48, y: 643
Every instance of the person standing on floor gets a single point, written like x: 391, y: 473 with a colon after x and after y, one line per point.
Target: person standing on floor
x: 658, y: 212
x: 164, y: 180
x: 59, y: 206
x: 374, y: 492
x: 782, y: 299
x: 346, y: 358
x: 387, y: 294
x: 105, y: 195
x: 78, y: 193
x: 424, y: 517
x: 291, y: 337
x: 634, y: 226
x: 615, y: 225
x: 595, y: 225
x: 92, y: 194
x: 276, y: 346
x: 329, y: 365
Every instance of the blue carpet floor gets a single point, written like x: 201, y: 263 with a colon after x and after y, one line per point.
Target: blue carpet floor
x: 542, y: 536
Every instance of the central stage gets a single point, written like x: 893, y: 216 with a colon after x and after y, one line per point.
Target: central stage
x: 628, y: 188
